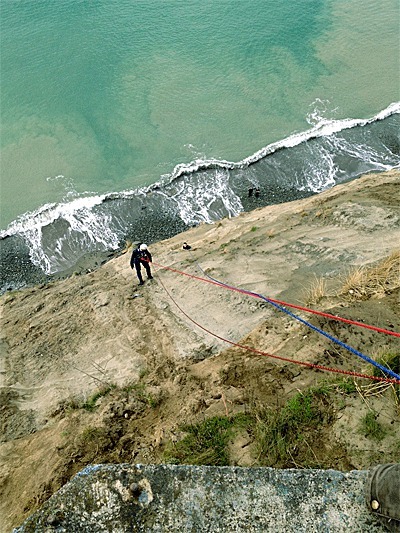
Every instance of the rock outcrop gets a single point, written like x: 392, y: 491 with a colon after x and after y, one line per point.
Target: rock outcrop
x: 157, y: 498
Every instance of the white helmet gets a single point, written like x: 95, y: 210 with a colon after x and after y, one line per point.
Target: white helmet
x: 143, y: 247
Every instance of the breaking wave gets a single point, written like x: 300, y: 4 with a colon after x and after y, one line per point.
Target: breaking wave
x: 56, y: 236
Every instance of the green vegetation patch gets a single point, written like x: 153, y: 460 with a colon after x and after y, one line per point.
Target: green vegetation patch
x: 285, y: 437
x: 391, y: 361
x: 137, y: 389
x: 279, y: 435
x: 346, y: 386
x: 371, y: 428
x: 206, y: 443
x: 90, y: 403
x: 283, y: 434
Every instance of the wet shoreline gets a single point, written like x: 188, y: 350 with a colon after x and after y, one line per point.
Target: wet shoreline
x: 17, y: 270
x: 79, y: 235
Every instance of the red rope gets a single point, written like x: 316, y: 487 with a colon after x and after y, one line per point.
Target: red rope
x: 259, y: 352
x: 306, y: 309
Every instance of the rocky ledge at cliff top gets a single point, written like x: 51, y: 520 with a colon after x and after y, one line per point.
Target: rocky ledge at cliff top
x: 125, y: 498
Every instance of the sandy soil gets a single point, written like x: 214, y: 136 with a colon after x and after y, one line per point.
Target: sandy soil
x: 62, y: 342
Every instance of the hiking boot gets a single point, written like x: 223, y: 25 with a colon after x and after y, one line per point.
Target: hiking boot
x: 150, y: 277
x: 382, y: 494
x: 141, y: 283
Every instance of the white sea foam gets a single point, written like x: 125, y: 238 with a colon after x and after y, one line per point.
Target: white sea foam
x: 48, y: 213
x: 88, y: 228
x: 196, y: 200
x: 323, y: 128
x: 321, y: 175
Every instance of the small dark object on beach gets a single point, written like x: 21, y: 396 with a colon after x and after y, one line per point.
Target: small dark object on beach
x: 186, y: 246
x: 133, y: 296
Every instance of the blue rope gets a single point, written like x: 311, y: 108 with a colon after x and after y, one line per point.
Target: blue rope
x: 318, y: 330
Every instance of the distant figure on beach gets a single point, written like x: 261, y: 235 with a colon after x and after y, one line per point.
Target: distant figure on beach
x: 186, y: 246
x: 141, y: 256
x: 256, y: 191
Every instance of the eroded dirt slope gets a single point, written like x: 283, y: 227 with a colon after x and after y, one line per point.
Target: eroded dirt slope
x: 153, y: 368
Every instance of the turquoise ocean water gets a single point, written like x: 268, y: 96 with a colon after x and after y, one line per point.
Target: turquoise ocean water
x: 113, y: 97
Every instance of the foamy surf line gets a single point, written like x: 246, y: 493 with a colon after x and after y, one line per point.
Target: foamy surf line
x: 324, y: 128
x: 57, y: 237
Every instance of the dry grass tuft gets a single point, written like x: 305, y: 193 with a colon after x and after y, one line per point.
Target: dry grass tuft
x: 373, y: 282
x: 316, y: 292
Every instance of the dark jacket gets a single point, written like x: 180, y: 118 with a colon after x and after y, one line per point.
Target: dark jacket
x: 140, y: 255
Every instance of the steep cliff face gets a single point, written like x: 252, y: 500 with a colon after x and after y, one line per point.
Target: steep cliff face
x: 96, y: 369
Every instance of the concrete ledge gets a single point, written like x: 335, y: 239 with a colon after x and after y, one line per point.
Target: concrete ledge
x: 159, y: 498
